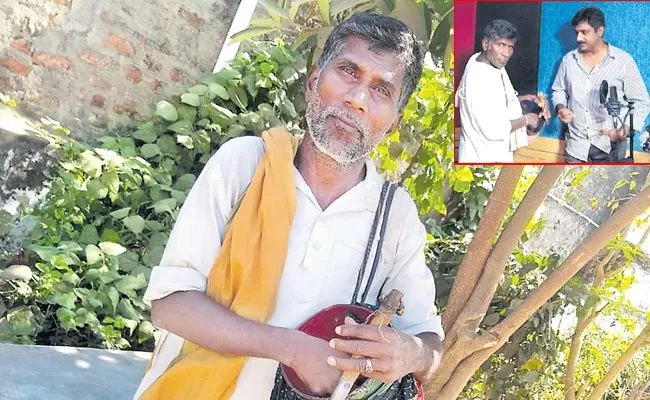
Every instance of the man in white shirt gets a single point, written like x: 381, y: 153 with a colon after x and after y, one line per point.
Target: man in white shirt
x: 491, y: 117
x: 369, y: 68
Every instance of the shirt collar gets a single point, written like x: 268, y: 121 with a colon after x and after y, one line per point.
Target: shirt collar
x: 363, y: 195
x: 612, y: 51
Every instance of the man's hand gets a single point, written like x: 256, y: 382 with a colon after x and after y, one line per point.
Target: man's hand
x: 615, y: 135
x: 310, y: 363
x: 565, y: 114
x: 532, y: 120
x: 393, y: 354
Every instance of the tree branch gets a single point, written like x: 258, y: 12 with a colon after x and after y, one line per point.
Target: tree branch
x: 479, y: 249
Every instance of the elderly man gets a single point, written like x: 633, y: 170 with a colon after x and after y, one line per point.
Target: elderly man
x: 576, y: 91
x: 491, y: 117
x: 229, y: 296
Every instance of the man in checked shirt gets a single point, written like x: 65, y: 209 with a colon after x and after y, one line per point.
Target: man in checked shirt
x: 576, y: 91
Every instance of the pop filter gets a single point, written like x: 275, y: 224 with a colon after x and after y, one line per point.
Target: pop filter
x: 604, y: 91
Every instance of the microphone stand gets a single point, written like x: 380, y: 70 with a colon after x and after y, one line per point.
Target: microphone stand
x: 615, y: 111
x: 630, y: 106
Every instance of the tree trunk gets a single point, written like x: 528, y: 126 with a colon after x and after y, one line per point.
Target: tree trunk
x: 471, y: 268
x: 618, y: 366
x: 456, y: 375
x: 460, y: 340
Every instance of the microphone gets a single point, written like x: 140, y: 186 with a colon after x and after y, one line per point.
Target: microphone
x: 613, y: 105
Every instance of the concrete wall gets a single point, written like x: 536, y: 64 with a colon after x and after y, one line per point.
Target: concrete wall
x: 97, y: 65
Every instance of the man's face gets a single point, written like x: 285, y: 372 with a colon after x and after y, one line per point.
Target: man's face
x: 588, y: 37
x: 352, y: 101
x: 499, y: 51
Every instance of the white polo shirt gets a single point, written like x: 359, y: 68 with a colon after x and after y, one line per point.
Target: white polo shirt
x: 325, y: 252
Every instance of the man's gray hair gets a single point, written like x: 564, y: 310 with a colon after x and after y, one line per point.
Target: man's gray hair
x: 384, y: 34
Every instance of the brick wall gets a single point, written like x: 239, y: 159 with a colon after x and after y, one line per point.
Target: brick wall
x: 96, y: 65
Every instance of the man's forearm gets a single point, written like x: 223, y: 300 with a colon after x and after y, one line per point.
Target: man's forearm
x: 431, y: 354
x: 518, y: 123
x: 195, y: 317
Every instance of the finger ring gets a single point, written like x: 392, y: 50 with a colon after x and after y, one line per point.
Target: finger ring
x: 368, y: 366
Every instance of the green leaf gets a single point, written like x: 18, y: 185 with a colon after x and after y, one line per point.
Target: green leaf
x: 66, y: 318
x: 96, y: 189
x: 128, y: 261
x: 302, y: 38
x: 110, y: 235
x: 111, y: 249
x: 114, y: 297
x: 121, y: 213
x: 185, y: 141
x: 166, y: 111
x: 185, y: 182
x: 191, y: 99
x: 414, y: 15
x: 145, y: 331
x: 337, y: 6
x: 386, y: 6
x: 135, y: 223
x: 324, y: 10
x: 183, y: 127
x: 167, y: 145
x: 128, y: 284
x: 250, y: 33
x: 64, y: 299
x: 146, y: 133
x: 150, y: 150
x: 274, y: 9
x: 239, y: 97
x: 125, y: 308
x: 295, y: 5
x: 93, y: 254
x: 218, y: 90
x: 198, y: 89
x: 165, y: 205
x: 46, y: 253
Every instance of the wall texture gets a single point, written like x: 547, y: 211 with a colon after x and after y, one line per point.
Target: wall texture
x: 96, y: 65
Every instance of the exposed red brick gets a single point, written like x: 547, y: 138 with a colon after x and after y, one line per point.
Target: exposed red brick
x: 93, y: 59
x: 128, y: 107
x: 15, y: 66
x: 176, y: 75
x: 52, y: 62
x: 98, y: 101
x: 120, y: 44
x: 22, y: 45
x: 155, y: 85
x: 134, y: 75
x: 51, y: 20
x: 192, y: 18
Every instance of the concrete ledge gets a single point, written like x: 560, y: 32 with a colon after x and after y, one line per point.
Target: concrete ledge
x: 67, y: 373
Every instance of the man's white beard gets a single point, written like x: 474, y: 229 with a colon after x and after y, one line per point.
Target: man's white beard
x: 341, y: 152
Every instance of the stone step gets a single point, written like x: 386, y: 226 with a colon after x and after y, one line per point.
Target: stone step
x: 69, y: 373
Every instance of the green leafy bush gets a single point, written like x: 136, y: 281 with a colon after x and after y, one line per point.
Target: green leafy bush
x: 109, y: 210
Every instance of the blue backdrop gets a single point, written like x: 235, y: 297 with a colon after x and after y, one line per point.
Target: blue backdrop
x: 627, y: 26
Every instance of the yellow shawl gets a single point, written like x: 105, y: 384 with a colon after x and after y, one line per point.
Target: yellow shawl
x: 245, y: 276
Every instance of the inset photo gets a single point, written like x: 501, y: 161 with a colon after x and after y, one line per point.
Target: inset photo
x: 552, y: 82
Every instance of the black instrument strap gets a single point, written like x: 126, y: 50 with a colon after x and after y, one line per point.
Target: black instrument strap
x: 384, y: 222
x: 371, y: 239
